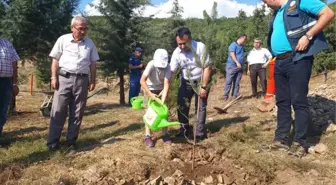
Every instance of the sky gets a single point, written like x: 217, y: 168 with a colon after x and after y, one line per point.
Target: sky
x: 192, y: 8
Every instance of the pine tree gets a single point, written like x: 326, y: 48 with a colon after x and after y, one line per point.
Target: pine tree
x: 214, y: 46
x: 117, y: 36
x: 33, y: 26
x: 259, y: 26
x: 177, y: 10
x: 241, y: 20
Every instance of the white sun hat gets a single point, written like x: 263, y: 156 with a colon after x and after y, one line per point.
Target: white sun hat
x: 161, y: 58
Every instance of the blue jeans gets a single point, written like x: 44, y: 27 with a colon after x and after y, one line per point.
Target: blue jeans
x: 291, y: 89
x: 233, y: 77
x: 134, y: 90
x: 6, y: 90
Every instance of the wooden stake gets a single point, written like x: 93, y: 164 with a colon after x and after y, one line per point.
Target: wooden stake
x: 31, y: 84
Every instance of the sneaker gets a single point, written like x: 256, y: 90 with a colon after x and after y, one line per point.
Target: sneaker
x: 297, y: 150
x: 149, y: 142
x: 166, y: 139
x: 225, y: 98
x: 280, y: 146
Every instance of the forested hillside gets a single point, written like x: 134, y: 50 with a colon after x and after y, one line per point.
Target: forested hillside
x: 217, y: 33
x: 34, y: 26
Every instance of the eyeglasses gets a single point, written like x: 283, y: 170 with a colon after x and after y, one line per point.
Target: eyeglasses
x: 82, y: 29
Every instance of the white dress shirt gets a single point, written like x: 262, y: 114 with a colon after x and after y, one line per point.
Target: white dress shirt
x: 187, y: 62
x: 258, y: 56
x: 72, y: 56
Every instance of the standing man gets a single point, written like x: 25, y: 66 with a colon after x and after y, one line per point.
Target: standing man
x: 191, y: 74
x: 257, y: 62
x: 295, y: 37
x: 8, y: 80
x: 135, y: 66
x: 75, y: 56
x: 234, y: 67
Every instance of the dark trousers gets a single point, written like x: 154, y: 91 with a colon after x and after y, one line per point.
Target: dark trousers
x: 256, y: 70
x: 291, y: 88
x: 6, y: 89
x: 185, y: 93
x: 134, y: 89
x: 72, y: 93
x: 233, y: 77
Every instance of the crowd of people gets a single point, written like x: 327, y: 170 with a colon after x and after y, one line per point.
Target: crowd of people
x: 295, y: 36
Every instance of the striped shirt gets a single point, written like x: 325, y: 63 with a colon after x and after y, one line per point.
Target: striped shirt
x: 72, y: 56
x: 8, y: 56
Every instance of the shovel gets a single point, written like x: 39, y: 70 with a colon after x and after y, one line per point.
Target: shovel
x: 224, y: 109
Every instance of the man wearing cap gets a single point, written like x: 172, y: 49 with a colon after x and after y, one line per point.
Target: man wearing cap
x: 74, y: 56
x: 257, y: 60
x: 234, y: 67
x: 135, y: 66
x: 295, y: 36
x: 183, y: 57
x: 8, y: 80
x: 155, y: 82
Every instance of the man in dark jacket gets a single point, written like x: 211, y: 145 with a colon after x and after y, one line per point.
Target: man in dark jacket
x: 295, y: 37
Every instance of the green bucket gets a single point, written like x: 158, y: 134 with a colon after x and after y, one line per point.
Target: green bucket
x: 137, y: 102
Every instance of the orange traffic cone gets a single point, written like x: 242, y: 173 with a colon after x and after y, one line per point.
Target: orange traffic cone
x: 270, y: 91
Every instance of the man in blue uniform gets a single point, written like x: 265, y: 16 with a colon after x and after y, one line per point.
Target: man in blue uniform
x: 135, y: 66
x: 295, y: 37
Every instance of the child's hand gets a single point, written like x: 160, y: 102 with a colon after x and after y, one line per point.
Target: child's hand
x: 160, y: 94
x: 153, y: 96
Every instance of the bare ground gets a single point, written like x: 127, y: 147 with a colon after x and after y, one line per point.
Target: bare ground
x: 111, y: 148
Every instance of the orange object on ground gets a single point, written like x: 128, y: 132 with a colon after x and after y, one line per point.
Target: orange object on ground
x: 270, y: 91
x: 31, y: 84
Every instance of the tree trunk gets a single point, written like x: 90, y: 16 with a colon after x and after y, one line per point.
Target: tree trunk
x: 121, y: 85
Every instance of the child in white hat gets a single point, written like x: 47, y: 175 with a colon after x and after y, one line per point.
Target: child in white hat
x: 155, y: 82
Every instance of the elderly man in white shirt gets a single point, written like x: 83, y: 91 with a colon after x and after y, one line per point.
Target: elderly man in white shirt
x: 73, y: 56
x: 257, y: 60
x: 184, y: 58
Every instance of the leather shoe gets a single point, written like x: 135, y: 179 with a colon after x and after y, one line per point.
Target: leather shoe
x: 53, y: 148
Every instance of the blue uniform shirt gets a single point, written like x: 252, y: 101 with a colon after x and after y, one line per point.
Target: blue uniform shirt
x: 135, y: 74
x: 279, y: 41
x: 239, y: 52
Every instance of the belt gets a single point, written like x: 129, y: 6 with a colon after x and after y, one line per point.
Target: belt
x: 257, y: 64
x: 78, y: 74
x: 68, y: 74
x: 191, y: 81
x: 284, y: 55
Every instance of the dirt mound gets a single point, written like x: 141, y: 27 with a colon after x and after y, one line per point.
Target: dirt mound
x: 10, y: 174
x: 322, y: 106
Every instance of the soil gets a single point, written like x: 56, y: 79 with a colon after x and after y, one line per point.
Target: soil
x: 111, y: 148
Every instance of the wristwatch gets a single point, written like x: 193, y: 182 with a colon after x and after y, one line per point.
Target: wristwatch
x: 309, y: 37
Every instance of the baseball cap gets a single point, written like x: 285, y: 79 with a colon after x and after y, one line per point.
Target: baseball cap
x: 138, y: 49
x: 160, y: 58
